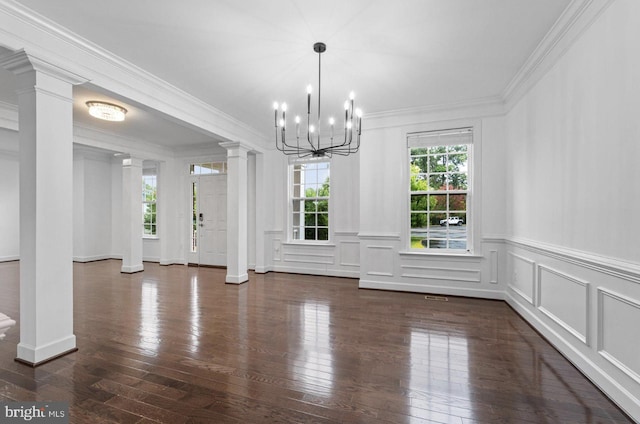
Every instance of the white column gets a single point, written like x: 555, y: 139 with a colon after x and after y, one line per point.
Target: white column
x: 236, y: 212
x: 132, y: 215
x: 163, y: 206
x: 260, y: 208
x: 45, y: 97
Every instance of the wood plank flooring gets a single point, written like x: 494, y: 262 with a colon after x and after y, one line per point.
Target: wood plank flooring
x: 176, y: 345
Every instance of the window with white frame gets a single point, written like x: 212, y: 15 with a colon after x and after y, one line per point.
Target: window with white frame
x: 149, y: 203
x: 439, y: 189
x: 309, y: 201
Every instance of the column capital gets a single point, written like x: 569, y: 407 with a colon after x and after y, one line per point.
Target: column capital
x: 236, y: 149
x: 21, y: 62
x: 131, y: 161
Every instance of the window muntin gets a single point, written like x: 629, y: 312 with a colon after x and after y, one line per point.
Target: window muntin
x: 439, y: 190
x: 309, y: 204
x: 149, y: 205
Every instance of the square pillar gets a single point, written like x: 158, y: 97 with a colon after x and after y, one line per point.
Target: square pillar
x: 236, y: 212
x: 45, y: 111
x: 260, y: 206
x: 132, y: 220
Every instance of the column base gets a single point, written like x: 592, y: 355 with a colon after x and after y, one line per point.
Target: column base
x: 132, y: 269
x: 34, y: 356
x: 237, y: 279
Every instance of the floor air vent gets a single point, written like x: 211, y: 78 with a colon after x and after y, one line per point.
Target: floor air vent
x: 438, y: 298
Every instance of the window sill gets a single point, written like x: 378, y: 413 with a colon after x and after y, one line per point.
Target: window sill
x: 309, y: 243
x: 464, y: 255
x: 150, y: 238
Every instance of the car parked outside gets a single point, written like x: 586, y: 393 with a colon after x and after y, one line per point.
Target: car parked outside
x: 452, y: 220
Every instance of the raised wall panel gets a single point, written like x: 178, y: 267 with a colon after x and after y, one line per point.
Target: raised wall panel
x: 309, y: 257
x: 522, y: 276
x: 619, y: 332
x: 493, y: 264
x: 350, y: 253
x: 565, y: 300
x: 380, y: 260
x: 441, y: 273
x: 277, y: 249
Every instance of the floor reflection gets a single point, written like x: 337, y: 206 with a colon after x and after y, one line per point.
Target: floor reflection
x: 315, y: 358
x: 149, y: 328
x: 194, y: 309
x: 439, y: 372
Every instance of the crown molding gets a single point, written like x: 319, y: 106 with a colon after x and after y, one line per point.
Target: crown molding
x: 21, y: 62
x: 8, y: 116
x: 478, y: 108
x: 574, y: 20
x: 61, y: 47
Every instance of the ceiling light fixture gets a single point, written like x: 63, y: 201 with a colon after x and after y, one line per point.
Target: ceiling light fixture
x: 106, y: 111
x: 343, y: 145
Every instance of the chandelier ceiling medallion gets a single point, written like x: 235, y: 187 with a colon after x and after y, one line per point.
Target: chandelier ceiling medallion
x: 348, y: 140
x: 106, y: 111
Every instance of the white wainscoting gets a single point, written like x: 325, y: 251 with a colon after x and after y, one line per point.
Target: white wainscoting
x: 385, y: 266
x: 587, y: 307
x: 338, y: 258
x: 565, y: 300
x: 618, y: 329
x: 522, y: 276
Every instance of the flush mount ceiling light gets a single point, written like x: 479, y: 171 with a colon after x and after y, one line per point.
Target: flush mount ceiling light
x: 342, y: 145
x: 106, y: 111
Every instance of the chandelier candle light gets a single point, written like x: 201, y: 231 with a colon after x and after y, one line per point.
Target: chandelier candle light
x: 345, y: 145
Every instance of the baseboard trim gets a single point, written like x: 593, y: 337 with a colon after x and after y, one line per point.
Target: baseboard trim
x: 38, y: 355
x: 618, y: 394
x: 422, y: 288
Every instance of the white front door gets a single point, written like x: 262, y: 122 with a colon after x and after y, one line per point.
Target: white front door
x: 211, y: 215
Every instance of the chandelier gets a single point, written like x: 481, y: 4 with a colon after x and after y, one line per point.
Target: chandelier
x: 345, y: 142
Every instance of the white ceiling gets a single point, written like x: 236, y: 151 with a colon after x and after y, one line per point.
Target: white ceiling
x: 241, y: 55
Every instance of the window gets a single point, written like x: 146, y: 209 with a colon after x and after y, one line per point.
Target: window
x: 439, y: 186
x: 149, y: 199
x: 310, y: 201
x: 208, y: 168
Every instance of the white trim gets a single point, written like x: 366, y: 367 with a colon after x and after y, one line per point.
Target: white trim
x: 575, y: 19
x: 379, y: 236
x: 9, y: 258
x: 530, y: 299
x: 114, y: 73
x: 584, y: 338
x: 83, y: 259
x: 602, y: 292
x: 37, y: 354
x: 606, y: 265
x: 421, y: 288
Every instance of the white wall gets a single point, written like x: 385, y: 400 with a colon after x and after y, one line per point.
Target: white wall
x: 386, y: 260
x: 340, y: 256
x: 9, y: 196
x: 573, y: 258
x: 91, y: 205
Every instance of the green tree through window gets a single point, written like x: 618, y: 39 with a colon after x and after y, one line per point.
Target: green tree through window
x: 439, y: 191
x: 149, y: 204
x: 310, y: 201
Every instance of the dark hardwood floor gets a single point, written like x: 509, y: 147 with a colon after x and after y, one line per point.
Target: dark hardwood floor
x: 176, y: 345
